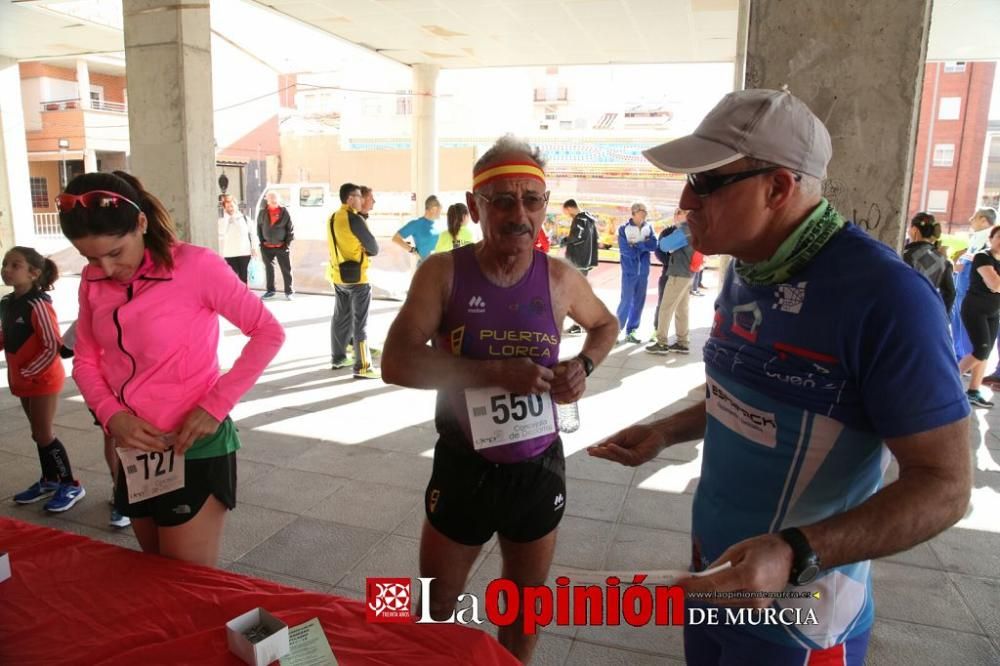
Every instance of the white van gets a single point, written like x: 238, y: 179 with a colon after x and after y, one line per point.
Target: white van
x: 309, y: 204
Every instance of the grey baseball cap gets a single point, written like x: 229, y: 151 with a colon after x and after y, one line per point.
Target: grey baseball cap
x: 770, y: 125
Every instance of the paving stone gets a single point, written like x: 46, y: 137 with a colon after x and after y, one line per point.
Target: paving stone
x: 659, y: 510
x: 395, y: 557
x: 375, y: 506
x: 248, y: 526
x: 404, y: 471
x: 594, y: 499
x: 313, y: 549
x: 580, y: 465
x: 551, y: 649
x: 582, y: 543
x: 902, y: 644
x: 290, y: 490
x: 920, y: 555
x: 921, y: 596
x: 641, y: 549
x: 983, y: 597
x: 349, y: 462
x: 968, y: 551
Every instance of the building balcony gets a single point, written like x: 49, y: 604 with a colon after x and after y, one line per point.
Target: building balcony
x: 72, y: 104
x: 67, y: 129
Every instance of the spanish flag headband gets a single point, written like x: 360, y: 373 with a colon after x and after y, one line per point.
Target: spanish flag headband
x: 507, y: 170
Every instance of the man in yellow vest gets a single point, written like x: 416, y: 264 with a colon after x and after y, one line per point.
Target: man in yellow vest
x: 350, y: 243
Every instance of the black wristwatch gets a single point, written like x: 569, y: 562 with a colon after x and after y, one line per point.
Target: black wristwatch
x: 588, y: 365
x: 805, y: 562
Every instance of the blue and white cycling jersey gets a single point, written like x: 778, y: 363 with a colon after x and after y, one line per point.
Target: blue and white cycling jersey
x: 805, y: 381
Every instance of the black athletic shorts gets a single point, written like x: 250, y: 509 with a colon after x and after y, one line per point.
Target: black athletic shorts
x: 469, y: 498
x: 208, y: 476
x: 981, y: 321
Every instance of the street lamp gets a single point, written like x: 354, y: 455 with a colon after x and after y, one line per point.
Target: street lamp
x: 63, y: 146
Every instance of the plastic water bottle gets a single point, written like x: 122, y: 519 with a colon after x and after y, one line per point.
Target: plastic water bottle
x: 678, y: 239
x: 569, y: 417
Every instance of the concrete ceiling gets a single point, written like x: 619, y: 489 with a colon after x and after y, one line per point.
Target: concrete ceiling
x: 501, y: 33
x: 31, y: 31
x: 482, y: 33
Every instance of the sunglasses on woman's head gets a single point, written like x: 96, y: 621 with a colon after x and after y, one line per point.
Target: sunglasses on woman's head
x: 93, y: 199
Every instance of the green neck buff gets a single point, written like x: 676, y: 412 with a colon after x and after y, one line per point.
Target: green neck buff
x: 797, y: 250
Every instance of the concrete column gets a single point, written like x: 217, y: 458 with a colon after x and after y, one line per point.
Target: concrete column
x: 424, y: 151
x: 168, y: 63
x: 859, y: 66
x: 83, y: 84
x: 16, y: 216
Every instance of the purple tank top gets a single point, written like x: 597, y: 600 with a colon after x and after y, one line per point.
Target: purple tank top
x: 484, y: 321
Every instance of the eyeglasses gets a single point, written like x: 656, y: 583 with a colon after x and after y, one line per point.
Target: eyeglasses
x: 93, y: 199
x: 504, y: 202
x: 703, y: 184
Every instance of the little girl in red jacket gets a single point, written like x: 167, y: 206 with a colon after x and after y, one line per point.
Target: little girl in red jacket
x: 29, y: 335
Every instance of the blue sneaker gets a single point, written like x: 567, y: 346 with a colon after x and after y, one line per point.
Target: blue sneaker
x: 38, y: 490
x: 64, y: 499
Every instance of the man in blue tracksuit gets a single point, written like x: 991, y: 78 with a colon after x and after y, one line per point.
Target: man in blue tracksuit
x: 635, y: 241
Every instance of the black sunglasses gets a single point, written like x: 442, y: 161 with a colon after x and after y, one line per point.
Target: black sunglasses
x: 703, y: 184
x: 507, y: 202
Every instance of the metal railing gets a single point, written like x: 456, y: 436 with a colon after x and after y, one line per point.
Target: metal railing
x: 47, y: 225
x: 68, y: 104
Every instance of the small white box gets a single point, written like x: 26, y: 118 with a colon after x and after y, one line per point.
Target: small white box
x: 4, y: 567
x: 263, y: 652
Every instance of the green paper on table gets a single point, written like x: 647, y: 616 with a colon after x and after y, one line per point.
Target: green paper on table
x: 308, y: 646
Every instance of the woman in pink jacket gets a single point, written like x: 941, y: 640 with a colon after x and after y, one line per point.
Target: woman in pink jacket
x: 146, y: 361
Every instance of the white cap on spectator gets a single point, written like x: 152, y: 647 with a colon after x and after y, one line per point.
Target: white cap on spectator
x: 769, y: 125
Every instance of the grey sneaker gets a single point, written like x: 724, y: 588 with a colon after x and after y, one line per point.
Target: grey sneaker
x: 657, y: 348
x: 118, y: 520
x: 678, y: 348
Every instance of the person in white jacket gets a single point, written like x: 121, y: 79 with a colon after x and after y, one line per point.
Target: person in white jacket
x: 235, y: 238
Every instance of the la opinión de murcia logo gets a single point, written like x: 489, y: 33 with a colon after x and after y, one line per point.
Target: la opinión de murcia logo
x: 616, y: 602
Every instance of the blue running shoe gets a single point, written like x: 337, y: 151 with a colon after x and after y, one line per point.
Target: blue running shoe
x: 38, y: 490
x: 64, y: 499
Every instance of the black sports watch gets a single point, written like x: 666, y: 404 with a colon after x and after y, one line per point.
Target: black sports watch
x: 588, y: 365
x: 805, y: 562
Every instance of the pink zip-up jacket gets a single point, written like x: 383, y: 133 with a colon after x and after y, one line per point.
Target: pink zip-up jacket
x: 149, y: 346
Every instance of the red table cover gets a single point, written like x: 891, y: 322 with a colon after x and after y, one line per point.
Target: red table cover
x: 74, y: 600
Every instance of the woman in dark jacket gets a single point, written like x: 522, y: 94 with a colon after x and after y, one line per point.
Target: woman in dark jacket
x: 923, y: 253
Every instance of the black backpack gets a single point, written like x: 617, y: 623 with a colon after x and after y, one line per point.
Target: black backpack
x: 929, y: 263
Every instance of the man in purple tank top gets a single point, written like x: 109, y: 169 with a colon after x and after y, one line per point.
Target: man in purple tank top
x: 493, y: 312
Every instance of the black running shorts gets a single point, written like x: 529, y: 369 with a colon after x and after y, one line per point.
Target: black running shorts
x: 208, y: 476
x: 469, y: 498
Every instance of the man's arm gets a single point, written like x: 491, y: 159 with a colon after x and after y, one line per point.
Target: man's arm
x: 930, y: 495
x: 363, y: 234
x: 575, y: 236
x: 289, y: 229
x: 641, y: 443
x: 407, y: 359
x: 948, y: 289
x: 398, y: 240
